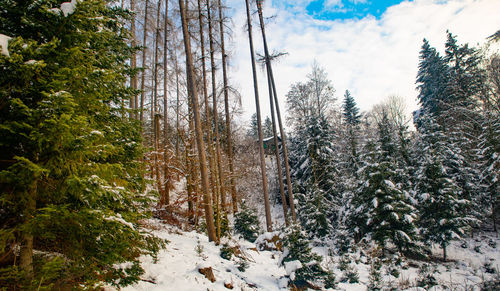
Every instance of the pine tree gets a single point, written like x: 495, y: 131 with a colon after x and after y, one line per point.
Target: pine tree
x: 70, y: 178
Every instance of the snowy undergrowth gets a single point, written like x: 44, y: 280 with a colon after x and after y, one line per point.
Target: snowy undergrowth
x: 177, y: 265
x: 471, y: 262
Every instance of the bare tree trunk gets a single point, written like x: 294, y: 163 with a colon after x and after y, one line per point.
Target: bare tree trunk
x: 208, y: 119
x: 193, y: 92
x: 133, y: 65
x: 26, y: 251
x: 222, y: 193
x: 155, y: 121
x: 177, y: 105
x: 277, y: 152
x: 166, y: 172
x: 143, y: 75
x: 229, y: 142
x: 259, y: 123
x: 283, y: 136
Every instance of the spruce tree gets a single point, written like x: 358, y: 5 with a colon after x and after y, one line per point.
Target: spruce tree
x: 71, y: 182
x: 431, y: 80
x: 443, y: 215
x: 352, y: 119
x: 381, y: 206
x: 297, y: 249
x: 246, y: 222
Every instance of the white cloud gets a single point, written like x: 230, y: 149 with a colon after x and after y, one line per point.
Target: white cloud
x: 373, y: 58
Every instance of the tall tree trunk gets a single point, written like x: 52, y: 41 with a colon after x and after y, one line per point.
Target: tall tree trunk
x: 133, y: 65
x: 259, y: 123
x: 155, y: 121
x: 277, y: 152
x: 143, y: 75
x: 26, y: 251
x: 177, y: 104
x: 229, y: 141
x: 166, y: 172
x: 193, y: 92
x: 278, y: 113
x: 222, y: 193
x: 208, y: 119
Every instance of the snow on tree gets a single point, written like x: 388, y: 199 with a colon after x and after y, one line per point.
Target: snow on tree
x: 381, y: 207
x: 71, y: 182
x: 443, y: 215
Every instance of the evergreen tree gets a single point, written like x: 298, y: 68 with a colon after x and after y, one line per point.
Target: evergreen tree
x: 350, y: 110
x: 314, y: 176
x: 431, y: 80
x: 267, y: 128
x: 246, y: 222
x: 297, y: 249
x: 252, y: 131
x: 71, y: 183
x: 381, y: 206
x: 442, y: 212
x: 352, y: 119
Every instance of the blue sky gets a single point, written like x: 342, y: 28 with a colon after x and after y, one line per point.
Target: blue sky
x: 370, y: 47
x: 344, y: 9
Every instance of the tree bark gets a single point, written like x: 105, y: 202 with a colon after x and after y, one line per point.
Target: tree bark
x: 26, y: 251
x: 197, y: 123
x: 259, y: 123
x: 143, y: 75
x: 278, y: 113
x: 222, y: 193
x: 229, y: 141
x: 208, y: 118
x: 166, y: 172
x: 277, y: 151
x: 133, y: 65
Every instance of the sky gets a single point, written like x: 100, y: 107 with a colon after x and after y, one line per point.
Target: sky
x: 369, y: 47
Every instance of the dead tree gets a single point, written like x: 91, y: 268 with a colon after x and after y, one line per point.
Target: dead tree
x: 259, y: 122
x: 193, y: 93
x: 229, y: 142
x: 275, y: 98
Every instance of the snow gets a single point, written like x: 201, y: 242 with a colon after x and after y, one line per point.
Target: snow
x: 68, y: 7
x: 4, y: 44
x: 177, y: 265
x: 292, y: 266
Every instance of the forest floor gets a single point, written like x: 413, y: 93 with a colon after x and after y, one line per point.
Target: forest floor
x: 471, y: 262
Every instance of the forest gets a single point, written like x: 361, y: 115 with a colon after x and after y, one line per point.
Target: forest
x: 121, y: 136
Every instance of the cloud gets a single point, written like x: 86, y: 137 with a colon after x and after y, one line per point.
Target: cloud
x: 373, y: 58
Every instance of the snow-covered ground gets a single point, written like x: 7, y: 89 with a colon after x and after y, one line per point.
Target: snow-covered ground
x: 177, y: 267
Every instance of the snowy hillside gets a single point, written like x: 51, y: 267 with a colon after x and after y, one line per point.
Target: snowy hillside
x: 472, y: 262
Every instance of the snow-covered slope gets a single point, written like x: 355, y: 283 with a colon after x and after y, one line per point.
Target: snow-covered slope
x: 177, y: 267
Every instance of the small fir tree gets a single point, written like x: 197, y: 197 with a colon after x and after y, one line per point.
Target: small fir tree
x: 246, y: 222
x: 297, y: 248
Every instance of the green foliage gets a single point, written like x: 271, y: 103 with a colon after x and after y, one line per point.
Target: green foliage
x: 426, y: 278
x: 375, y: 276
x: 297, y: 248
x: 226, y: 252
x: 70, y: 171
x: 242, y: 265
x: 246, y: 222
